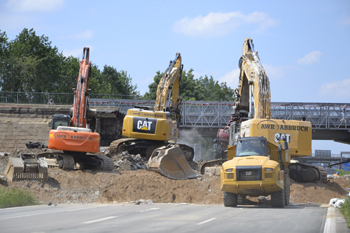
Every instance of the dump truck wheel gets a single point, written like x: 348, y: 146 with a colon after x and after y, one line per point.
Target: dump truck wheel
x: 230, y: 199
x: 278, y: 199
x: 241, y: 199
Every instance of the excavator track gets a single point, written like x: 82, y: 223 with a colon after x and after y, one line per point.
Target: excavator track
x: 120, y: 145
x: 66, y: 162
x: 210, y: 163
x: 106, y: 163
x: 323, y: 174
x: 301, y: 172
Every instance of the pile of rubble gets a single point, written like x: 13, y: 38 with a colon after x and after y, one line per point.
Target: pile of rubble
x: 128, y: 162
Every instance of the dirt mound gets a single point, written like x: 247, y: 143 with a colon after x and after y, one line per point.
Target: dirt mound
x: 124, y: 186
x: 319, y: 192
x: 128, y: 182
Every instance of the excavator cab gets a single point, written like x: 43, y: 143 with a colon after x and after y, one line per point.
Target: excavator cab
x: 59, y: 120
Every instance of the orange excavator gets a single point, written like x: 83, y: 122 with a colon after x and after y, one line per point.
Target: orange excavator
x: 76, y: 140
x: 71, y: 136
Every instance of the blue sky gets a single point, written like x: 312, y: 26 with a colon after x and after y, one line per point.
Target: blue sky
x: 303, y: 45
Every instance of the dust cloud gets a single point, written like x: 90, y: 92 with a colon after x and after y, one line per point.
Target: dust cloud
x: 203, y: 146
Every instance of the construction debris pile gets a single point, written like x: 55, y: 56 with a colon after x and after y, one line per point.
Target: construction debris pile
x: 131, y: 182
x: 129, y: 162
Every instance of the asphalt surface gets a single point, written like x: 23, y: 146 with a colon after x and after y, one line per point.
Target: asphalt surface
x: 163, y: 218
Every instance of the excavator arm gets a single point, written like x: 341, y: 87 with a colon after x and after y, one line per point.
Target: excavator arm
x: 168, y: 91
x: 81, y: 92
x: 254, y: 85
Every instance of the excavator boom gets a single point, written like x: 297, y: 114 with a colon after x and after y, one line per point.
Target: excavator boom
x: 81, y: 92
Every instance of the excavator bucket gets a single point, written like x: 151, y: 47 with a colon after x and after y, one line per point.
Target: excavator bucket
x: 27, y: 167
x: 170, y: 162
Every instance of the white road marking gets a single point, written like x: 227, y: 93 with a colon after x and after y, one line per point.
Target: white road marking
x: 100, y: 220
x: 206, y: 221
x: 47, y: 212
x: 149, y: 210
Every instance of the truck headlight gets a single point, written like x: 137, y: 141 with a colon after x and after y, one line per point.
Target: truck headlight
x: 229, y: 170
x: 269, y: 169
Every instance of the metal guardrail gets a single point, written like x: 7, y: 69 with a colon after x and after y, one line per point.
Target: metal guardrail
x: 58, y: 98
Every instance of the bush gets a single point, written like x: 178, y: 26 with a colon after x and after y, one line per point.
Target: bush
x: 10, y: 197
x: 342, y: 172
x: 345, y: 210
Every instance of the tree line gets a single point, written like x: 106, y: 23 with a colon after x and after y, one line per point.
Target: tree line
x: 30, y: 63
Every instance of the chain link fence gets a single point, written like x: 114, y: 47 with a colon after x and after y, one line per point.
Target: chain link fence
x: 58, y: 98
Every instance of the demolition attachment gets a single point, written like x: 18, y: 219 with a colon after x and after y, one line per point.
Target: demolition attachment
x: 27, y: 167
x: 170, y: 162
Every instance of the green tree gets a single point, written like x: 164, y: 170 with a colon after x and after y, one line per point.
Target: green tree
x: 110, y: 81
x: 30, y: 63
x: 35, y: 63
x: 195, y: 89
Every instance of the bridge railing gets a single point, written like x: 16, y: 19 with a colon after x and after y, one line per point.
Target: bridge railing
x: 214, y: 114
x: 218, y: 113
x: 321, y: 115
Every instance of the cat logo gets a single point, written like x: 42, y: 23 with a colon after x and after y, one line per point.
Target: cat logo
x: 144, y: 125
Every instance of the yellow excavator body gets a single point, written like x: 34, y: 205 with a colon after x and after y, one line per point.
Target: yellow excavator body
x: 153, y: 133
x: 151, y: 125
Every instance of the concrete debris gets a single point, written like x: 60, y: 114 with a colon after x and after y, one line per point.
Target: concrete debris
x: 129, y: 162
x: 336, y: 202
x: 3, y: 154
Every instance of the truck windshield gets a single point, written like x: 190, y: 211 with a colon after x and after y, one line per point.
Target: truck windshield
x: 251, y: 147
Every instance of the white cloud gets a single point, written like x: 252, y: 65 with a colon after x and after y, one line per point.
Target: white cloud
x: 344, y: 20
x: 220, y: 24
x: 84, y: 35
x: 77, y: 52
x: 337, y: 90
x: 18, y: 21
x: 310, y: 58
x: 231, y: 78
x: 34, y: 5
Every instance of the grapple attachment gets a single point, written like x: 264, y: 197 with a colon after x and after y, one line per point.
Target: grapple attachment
x: 170, y: 162
x: 27, y: 167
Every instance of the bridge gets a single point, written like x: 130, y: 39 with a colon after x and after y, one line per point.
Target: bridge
x: 208, y: 116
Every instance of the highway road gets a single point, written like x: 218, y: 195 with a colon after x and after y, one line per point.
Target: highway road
x: 162, y: 218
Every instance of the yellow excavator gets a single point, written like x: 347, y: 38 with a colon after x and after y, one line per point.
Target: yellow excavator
x: 152, y: 133
x: 257, y: 163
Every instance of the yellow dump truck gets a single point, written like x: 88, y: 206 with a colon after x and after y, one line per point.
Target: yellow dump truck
x: 258, y: 164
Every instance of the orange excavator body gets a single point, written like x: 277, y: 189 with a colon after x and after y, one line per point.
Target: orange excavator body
x: 74, y: 141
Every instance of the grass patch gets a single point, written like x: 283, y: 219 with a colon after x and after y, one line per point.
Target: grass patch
x: 10, y: 197
x: 345, y: 210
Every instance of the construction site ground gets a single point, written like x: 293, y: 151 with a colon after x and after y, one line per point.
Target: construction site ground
x: 131, y: 182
